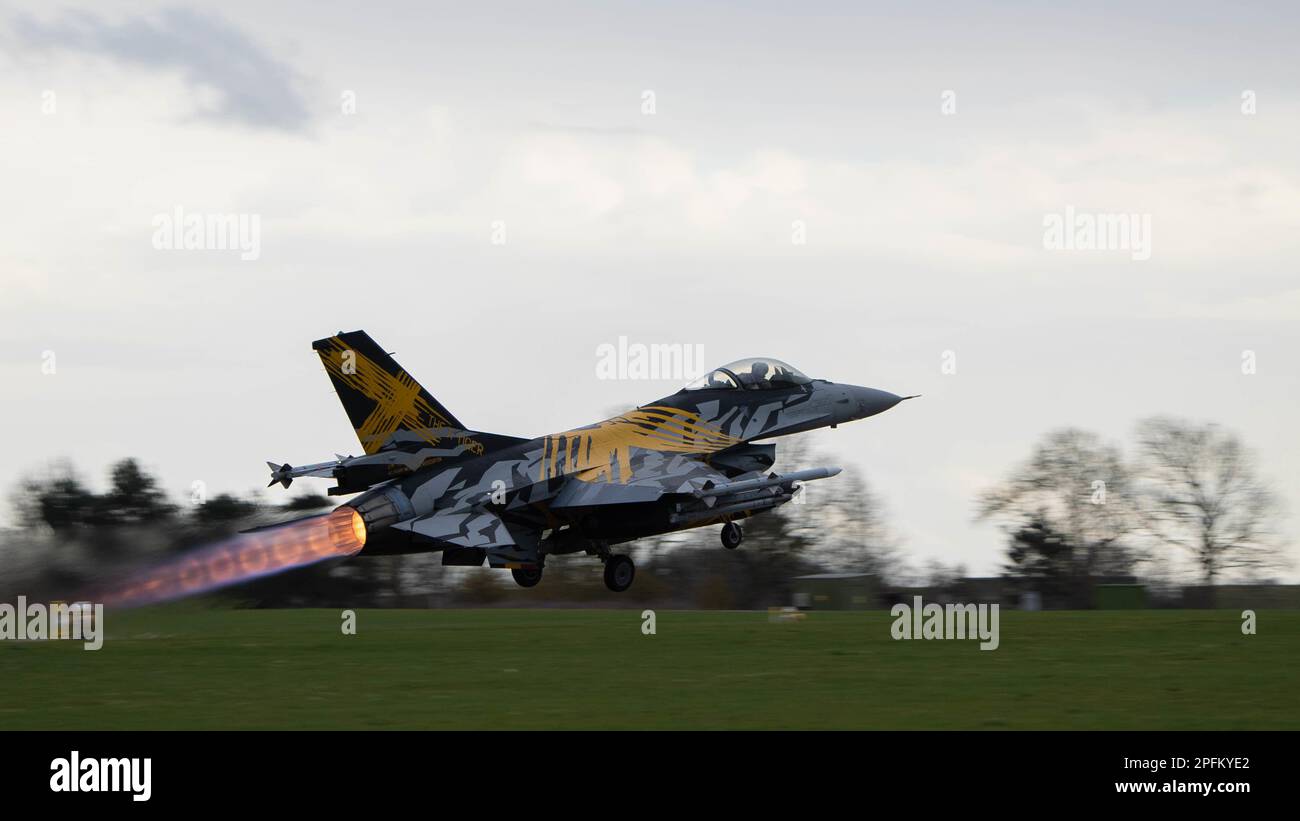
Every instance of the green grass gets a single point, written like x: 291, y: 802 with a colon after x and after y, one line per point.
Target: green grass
x: 214, y: 669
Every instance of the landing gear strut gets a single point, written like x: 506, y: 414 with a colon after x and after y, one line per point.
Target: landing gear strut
x: 527, y: 576
x: 732, y: 535
x: 619, y: 573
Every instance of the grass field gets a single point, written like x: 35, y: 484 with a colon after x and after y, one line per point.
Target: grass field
x: 440, y: 669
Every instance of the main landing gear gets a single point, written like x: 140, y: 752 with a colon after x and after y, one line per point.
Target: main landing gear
x: 619, y: 572
x: 527, y: 576
x: 732, y: 535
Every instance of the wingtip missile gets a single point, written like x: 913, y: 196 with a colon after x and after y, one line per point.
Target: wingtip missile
x: 281, y: 474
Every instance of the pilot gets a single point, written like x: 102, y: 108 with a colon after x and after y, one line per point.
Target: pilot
x: 758, y: 376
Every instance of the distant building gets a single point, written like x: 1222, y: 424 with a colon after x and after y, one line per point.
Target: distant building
x: 1120, y: 596
x: 1243, y: 596
x: 837, y: 591
x: 863, y: 591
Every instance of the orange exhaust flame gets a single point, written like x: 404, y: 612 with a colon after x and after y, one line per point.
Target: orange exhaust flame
x: 244, y: 557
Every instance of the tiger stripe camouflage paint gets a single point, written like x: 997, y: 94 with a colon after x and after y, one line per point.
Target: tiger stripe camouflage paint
x: 615, y: 480
x: 357, y: 368
x: 603, y: 452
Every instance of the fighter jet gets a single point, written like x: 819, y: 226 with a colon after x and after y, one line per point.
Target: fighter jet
x: 692, y: 459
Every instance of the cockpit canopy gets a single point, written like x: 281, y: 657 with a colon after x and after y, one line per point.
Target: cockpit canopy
x: 757, y: 374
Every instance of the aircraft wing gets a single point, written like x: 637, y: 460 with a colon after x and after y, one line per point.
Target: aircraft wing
x: 466, y: 528
x: 654, y: 475
x: 500, y: 543
x: 695, y: 491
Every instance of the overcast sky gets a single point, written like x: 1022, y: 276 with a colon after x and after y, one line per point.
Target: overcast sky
x: 917, y: 148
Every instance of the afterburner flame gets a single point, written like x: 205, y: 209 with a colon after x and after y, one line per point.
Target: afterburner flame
x: 244, y: 557
x: 358, y: 528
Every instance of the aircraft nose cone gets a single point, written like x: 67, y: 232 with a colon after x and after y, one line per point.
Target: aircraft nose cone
x: 871, y: 401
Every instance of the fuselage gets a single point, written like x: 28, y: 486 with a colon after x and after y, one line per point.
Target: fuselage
x: 521, y: 480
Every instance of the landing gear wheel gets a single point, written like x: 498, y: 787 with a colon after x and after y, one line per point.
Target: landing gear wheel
x: 732, y: 535
x: 619, y: 573
x: 527, y: 576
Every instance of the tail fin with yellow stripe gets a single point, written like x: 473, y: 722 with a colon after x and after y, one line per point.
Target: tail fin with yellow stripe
x: 384, y: 403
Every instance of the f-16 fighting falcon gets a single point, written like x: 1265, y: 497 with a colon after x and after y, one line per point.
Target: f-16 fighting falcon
x: 688, y: 460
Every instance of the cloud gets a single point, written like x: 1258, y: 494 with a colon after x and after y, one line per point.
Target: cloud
x: 239, y: 81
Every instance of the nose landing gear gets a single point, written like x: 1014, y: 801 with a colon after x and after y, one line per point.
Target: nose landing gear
x: 732, y: 535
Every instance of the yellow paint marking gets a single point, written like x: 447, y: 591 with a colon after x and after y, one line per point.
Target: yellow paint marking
x: 605, y: 449
x: 397, y: 400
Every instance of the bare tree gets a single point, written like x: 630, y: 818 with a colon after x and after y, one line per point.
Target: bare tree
x: 1201, y: 493
x: 842, y: 520
x: 834, y: 525
x: 1078, y: 487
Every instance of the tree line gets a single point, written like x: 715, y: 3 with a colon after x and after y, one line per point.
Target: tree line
x: 69, y: 534
x: 1075, y: 511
